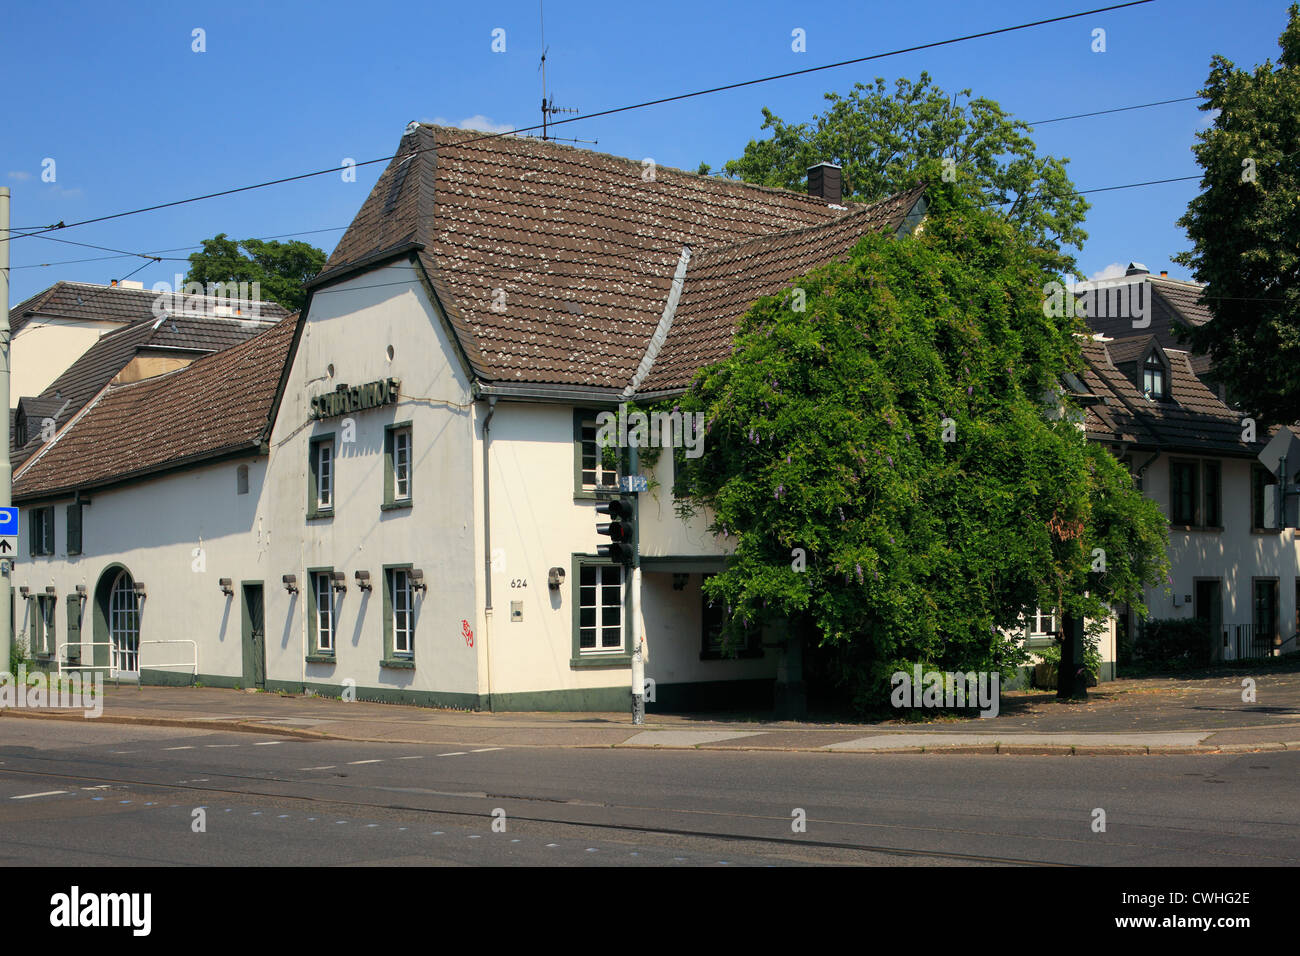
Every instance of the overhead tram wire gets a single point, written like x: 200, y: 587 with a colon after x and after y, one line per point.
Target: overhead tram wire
x: 609, y: 112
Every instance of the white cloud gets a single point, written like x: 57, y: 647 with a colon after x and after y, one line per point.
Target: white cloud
x: 21, y: 176
x: 1208, y: 118
x: 1113, y: 271
x: 476, y: 122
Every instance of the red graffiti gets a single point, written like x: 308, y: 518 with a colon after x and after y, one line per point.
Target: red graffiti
x: 469, y: 635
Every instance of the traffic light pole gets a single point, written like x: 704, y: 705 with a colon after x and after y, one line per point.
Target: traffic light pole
x: 638, y: 658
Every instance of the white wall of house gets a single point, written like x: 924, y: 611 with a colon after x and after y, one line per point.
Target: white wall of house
x: 45, y: 348
x: 351, y: 326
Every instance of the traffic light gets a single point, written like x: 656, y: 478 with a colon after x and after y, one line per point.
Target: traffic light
x: 619, y: 529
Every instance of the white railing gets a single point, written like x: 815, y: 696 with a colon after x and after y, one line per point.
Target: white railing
x: 60, y: 653
x: 194, y: 664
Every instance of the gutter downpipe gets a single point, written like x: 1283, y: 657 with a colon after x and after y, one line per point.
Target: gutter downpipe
x: 487, y: 550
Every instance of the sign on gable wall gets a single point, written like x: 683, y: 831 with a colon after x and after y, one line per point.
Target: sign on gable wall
x: 344, y: 399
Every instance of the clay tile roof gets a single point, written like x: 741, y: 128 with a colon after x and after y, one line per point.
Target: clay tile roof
x: 577, y: 249
x: 722, y: 283
x: 88, y: 301
x: 101, y: 363
x: 222, y: 403
x: 1192, y: 420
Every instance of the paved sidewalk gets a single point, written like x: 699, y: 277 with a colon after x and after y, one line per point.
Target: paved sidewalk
x: 1197, y: 715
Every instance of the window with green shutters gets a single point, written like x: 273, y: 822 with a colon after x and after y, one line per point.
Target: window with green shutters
x: 43, y: 634
x: 399, y: 617
x: 40, y: 529
x: 74, y: 529
x: 320, y: 477
x: 74, y: 628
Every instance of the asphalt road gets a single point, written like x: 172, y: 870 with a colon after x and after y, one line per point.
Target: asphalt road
x: 76, y: 794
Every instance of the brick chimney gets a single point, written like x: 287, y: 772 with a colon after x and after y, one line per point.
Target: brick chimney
x: 826, y: 180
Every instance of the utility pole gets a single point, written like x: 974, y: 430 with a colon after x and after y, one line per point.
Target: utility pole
x: 6, y: 468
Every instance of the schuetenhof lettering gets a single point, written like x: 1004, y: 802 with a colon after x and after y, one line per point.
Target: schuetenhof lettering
x: 345, y: 400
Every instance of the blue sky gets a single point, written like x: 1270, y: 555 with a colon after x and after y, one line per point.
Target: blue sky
x: 132, y: 116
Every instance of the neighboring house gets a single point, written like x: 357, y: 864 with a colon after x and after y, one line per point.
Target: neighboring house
x: 396, y: 492
x: 55, y: 327
x: 1159, y: 409
x: 137, y: 350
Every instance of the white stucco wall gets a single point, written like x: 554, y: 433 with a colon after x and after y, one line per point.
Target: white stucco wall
x: 45, y: 348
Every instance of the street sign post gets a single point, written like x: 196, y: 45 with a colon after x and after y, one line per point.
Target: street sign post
x: 633, y: 484
x: 8, y: 533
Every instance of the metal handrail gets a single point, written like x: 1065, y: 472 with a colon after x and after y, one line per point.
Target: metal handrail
x: 194, y: 663
x: 112, y: 667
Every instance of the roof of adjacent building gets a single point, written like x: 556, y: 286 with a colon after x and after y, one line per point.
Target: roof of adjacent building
x: 222, y: 403
x: 183, y: 335
x: 554, y: 264
x: 87, y: 301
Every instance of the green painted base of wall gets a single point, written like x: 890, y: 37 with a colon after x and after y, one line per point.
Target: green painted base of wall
x: 714, y: 695
x: 383, y: 695
x: 588, y: 699
x: 174, y: 679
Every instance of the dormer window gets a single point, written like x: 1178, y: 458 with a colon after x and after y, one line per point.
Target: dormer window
x: 1154, y: 378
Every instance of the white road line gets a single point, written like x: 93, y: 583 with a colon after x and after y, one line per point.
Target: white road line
x: 47, y: 793
x: 485, y: 750
x: 223, y: 745
x: 330, y: 767
x: 353, y: 763
x: 416, y: 757
x: 268, y: 743
x: 124, y: 751
x: 455, y: 753
x: 177, y: 748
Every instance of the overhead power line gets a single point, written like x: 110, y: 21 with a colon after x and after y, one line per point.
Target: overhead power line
x: 609, y: 112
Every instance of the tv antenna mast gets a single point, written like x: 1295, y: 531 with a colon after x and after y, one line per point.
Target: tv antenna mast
x: 549, y: 108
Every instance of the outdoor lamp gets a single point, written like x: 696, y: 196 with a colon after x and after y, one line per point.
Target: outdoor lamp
x: 290, y: 582
x: 417, y: 580
x: 227, y: 586
x: 363, y: 581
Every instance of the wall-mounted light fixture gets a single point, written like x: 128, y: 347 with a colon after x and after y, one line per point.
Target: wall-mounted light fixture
x: 24, y: 590
x: 554, y: 578
x: 50, y: 589
x: 363, y: 581
x: 290, y: 582
x: 339, y: 580
x: 417, y: 580
x: 139, y: 588
x: 227, y: 586
x: 81, y: 590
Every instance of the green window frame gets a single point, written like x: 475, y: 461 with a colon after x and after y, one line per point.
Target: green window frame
x: 594, y: 612
x: 74, y: 607
x: 1212, y: 483
x: 317, y: 650
x: 1183, y: 492
x: 591, y: 477
x: 321, y: 474
x: 74, y: 528
x: 713, y: 617
x: 398, y: 619
x: 44, y: 635
x: 399, y: 466
x: 40, y: 530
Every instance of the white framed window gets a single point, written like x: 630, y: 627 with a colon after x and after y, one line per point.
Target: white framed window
x: 402, y: 464
x: 595, y: 472
x: 1153, y: 377
x: 600, y: 609
x: 324, y: 453
x: 124, y: 623
x: 1043, y: 623
x: 323, y: 591
x: 403, y: 611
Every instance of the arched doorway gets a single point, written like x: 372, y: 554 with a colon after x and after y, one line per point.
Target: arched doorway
x: 117, y: 621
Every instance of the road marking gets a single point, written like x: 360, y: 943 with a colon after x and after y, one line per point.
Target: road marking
x: 417, y: 757
x: 353, y: 763
x: 268, y: 743
x: 223, y: 745
x: 484, y: 750
x: 330, y: 767
x: 47, y: 793
x: 177, y: 748
x: 102, y: 786
x: 124, y: 751
x: 454, y: 753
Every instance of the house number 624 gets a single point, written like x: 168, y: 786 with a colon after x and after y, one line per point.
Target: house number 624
x: 518, y: 583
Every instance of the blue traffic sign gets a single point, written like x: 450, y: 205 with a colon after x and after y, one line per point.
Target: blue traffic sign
x: 8, y: 522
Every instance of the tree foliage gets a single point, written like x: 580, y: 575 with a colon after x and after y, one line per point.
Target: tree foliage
x: 280, y: 268
x: 880, y: 139
x: 826, y: 433
x: 1244, y: 227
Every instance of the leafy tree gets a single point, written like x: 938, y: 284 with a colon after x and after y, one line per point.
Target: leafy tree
x: 880, y: 139
x: 280, y: 268
x: 826, y: 434
x: 1243, y: 227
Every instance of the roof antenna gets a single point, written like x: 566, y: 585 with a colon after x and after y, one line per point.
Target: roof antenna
x: 548, y: 104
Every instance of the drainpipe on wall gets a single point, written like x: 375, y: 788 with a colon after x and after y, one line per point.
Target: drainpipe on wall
x: 487, y: 549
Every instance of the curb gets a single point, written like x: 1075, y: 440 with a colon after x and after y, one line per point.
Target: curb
x: 1008, y: 749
